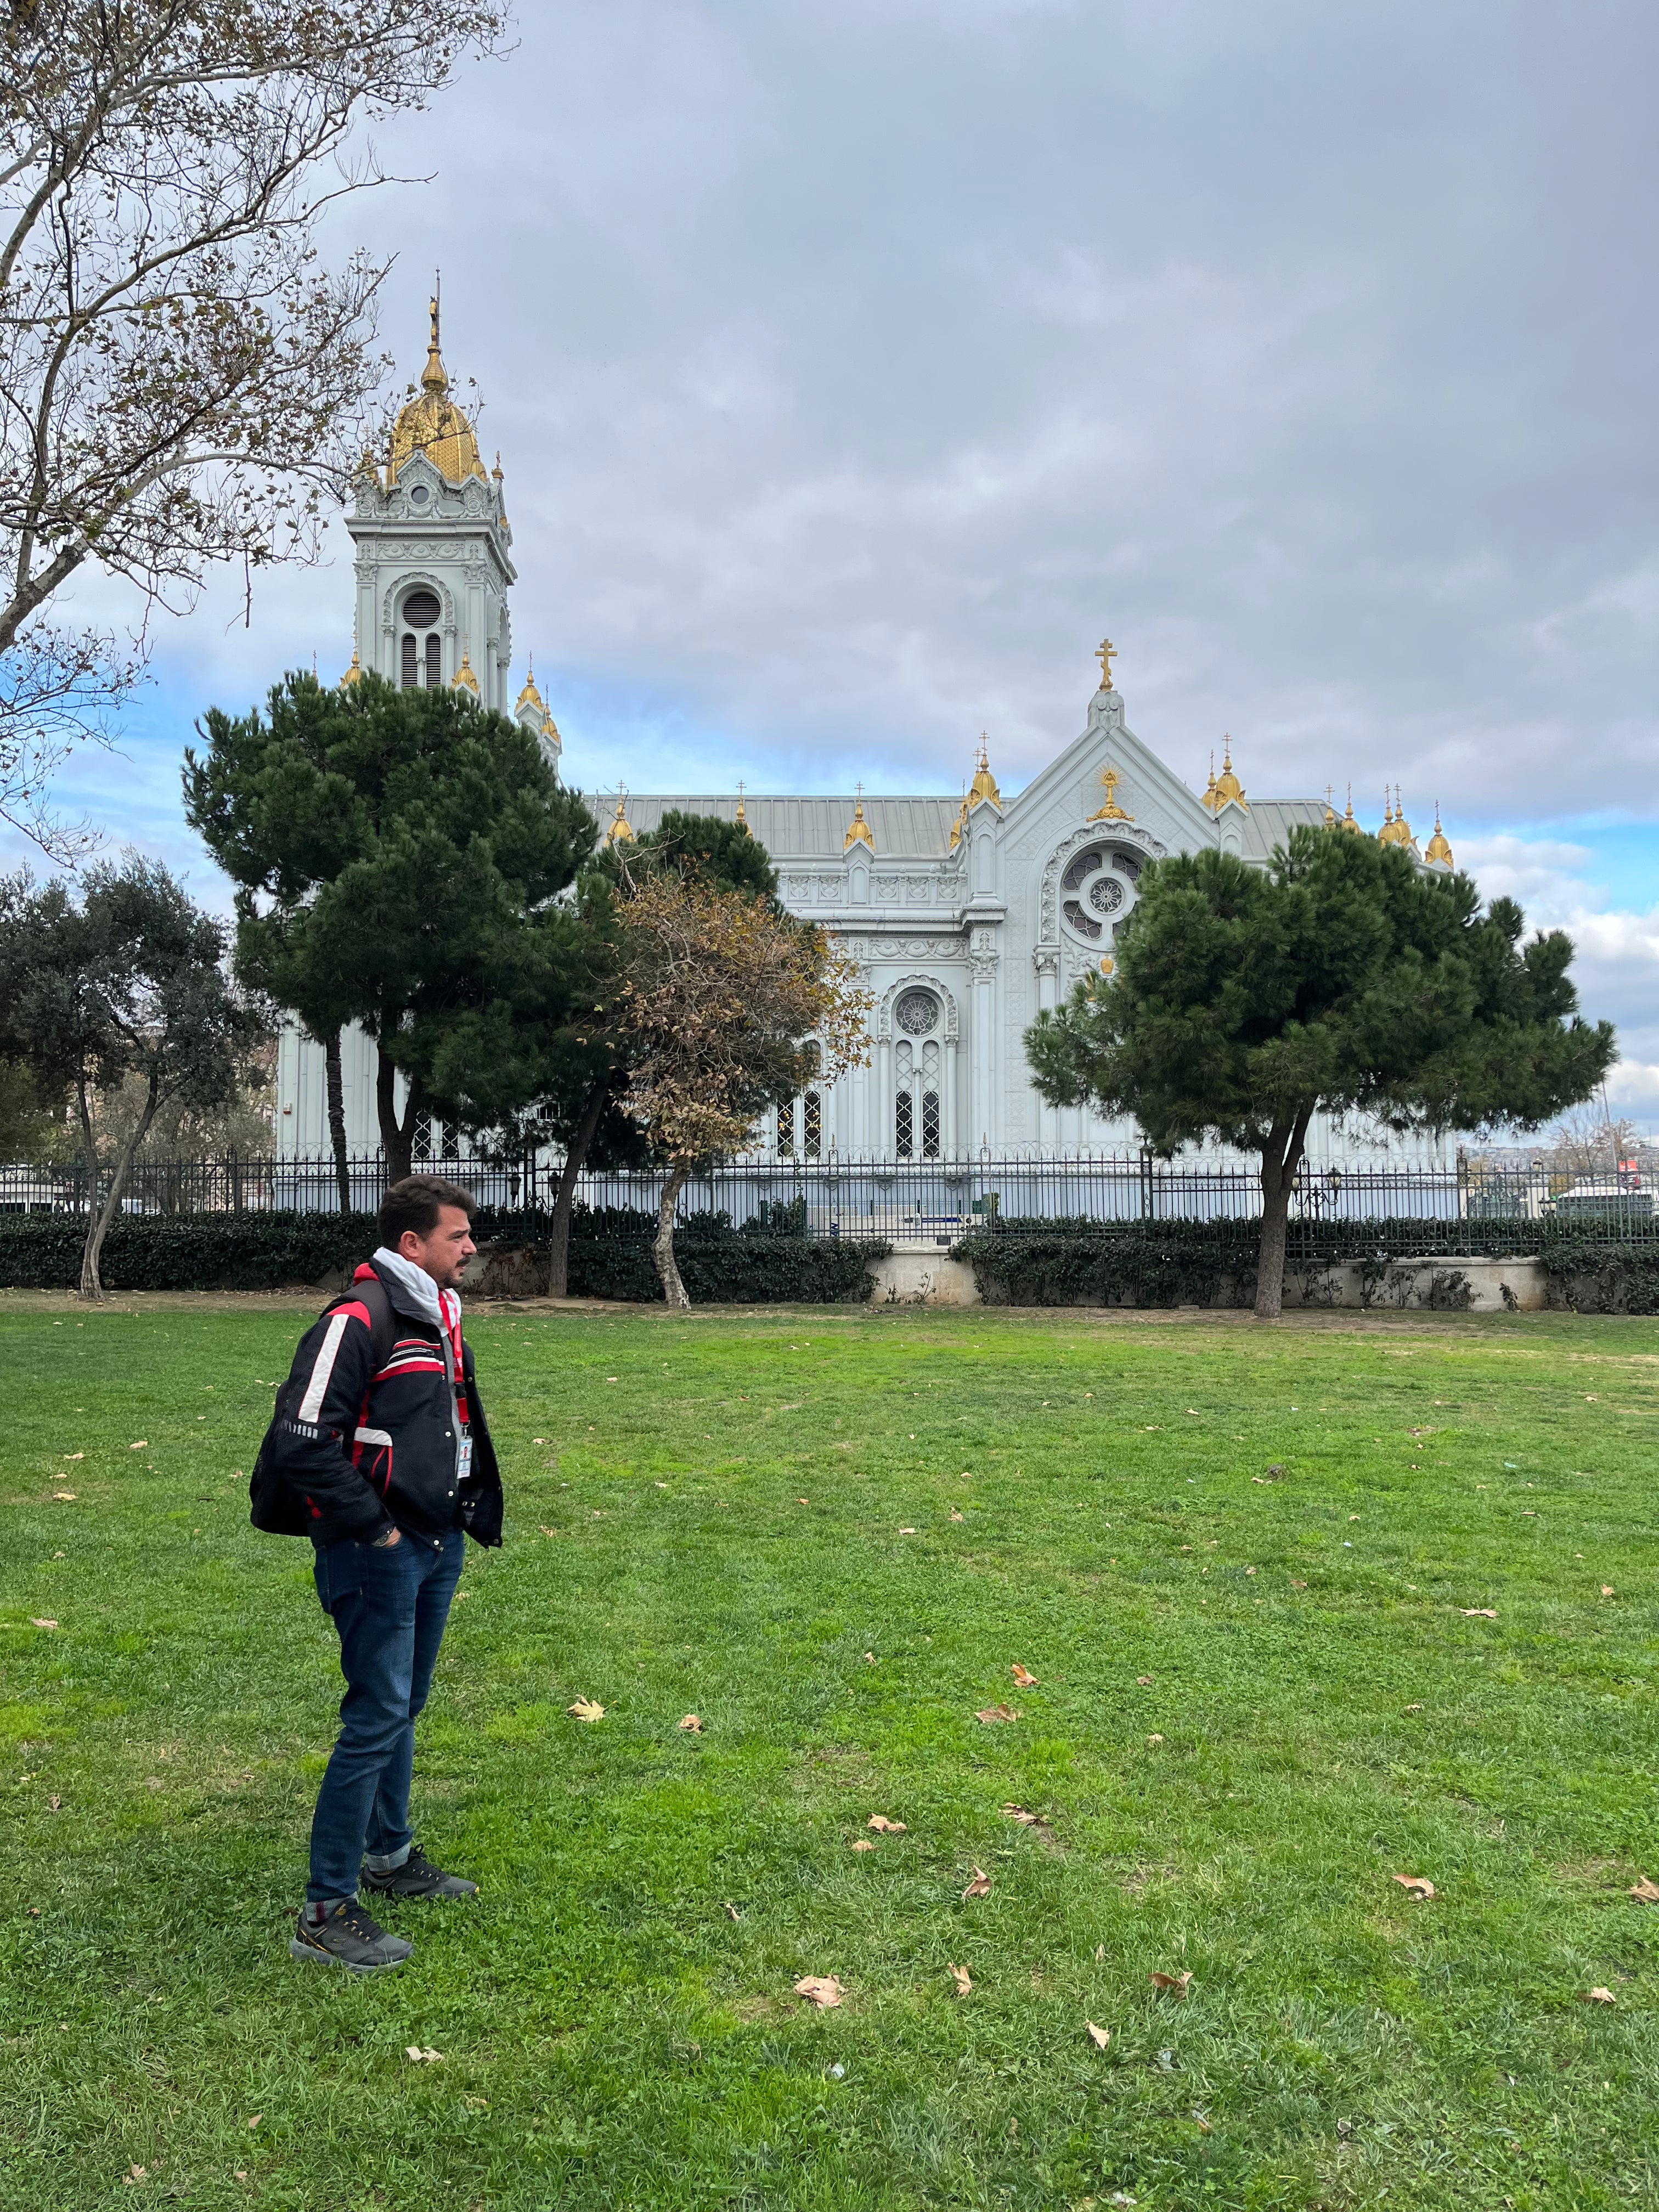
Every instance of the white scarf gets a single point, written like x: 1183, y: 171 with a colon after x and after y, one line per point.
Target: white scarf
x: 441, y: 1308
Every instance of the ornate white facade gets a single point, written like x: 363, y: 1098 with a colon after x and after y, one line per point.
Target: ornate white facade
x: 965, y: 920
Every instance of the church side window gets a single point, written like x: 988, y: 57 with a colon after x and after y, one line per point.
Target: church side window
x: 434, y: 667
x: 929, y: 1124
x: 903, y: 1126
x: 421, y: 1148
x: 812, y: 1125
x: 786, y: 1131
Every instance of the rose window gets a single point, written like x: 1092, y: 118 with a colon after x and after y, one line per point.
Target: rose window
x: 1097, y: 888
x: 917, y: 1012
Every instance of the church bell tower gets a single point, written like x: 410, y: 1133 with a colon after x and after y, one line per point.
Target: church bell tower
x: 433, y: 559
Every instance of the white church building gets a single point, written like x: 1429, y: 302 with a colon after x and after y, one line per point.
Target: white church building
x: 966, y: 917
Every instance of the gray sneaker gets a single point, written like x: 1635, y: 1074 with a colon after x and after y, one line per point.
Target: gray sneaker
x: 418, y: 1877
x: 347, y: 1937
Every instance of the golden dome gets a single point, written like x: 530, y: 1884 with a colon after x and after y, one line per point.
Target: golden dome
x: 984, y: 784
x: 1209, y: 798
x: 619, y: 833
x: 959, y: 824
x: 1227, y: 784
x: 1348, y: 821
x: 354, y: 674
x: 741, y: 818
x: 1395, y: 829
x: 463, y: 679
x: 858, y: 831
x: 550, y: 728
x: 530, y: 696
x: 1437, y: 849
x: 433, y: 425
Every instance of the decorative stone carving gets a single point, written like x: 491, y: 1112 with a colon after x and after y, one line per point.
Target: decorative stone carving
x: 917, y: 1012
x: 901, y: 988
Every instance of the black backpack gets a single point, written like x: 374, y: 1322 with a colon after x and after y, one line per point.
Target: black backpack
x: 273, y: 1504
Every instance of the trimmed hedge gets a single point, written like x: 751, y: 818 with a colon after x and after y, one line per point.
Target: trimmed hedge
x: 1174, y: 1263
x: 610, y: 1253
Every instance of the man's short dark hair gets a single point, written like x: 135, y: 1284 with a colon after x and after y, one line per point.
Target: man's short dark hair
x: 414, y: 1203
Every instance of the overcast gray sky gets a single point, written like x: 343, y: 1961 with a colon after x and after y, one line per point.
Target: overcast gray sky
x: 855, y: 366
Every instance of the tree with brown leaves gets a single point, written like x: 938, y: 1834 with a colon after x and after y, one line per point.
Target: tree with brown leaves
x: 180, y: 381
x: 728, y: 1006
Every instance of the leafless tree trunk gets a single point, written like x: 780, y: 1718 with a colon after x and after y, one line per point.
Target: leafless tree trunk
x: 100, y: 1217
x: 1280, y: 1162
x: 396, y: 1137
x: 337, y: 1131
x: 662, y: 1246
x: 558, y: 1248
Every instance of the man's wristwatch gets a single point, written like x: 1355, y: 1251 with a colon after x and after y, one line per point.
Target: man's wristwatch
x: 387, y: 1537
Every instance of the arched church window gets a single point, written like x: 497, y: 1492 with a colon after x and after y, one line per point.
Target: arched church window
x: 422, y: 647
x: 929, y: 1124
x: 786, y: 1131
x: 812, y: 1125
x: 903, y: 1126
x: 917, y: 1012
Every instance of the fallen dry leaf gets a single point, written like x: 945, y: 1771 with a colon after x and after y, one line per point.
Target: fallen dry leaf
x: 1480, y: 1613
x: 990, y: 1713
x: 955, y: 1516
x: 1154, y: 1739
x: 822, y: 1990
x: 1018, y: 1812
x: 869, y: 1658
x: 1174, y: 1984
x: 545, y: 1530
x: 1100, y: 2036
x: 907, y: 1532
x: 1419, y: 1884
x: 730, y: 1910
x: 422, y: 2058
x: 538, y: 1440
x: 142, y: 1445
x: 979, y: 1886
x: 1145, y: 1681
x: 1606, y: 1589
x: 1100, y: 1953
x: 54, y: 1804
x: 67, y: 1495
x: 1297, y: 1585
x: 883, y: 1826
x: 963, y: 1979
x: 800, y: 1501
x: 586, y: 1710
x: 1023, y: 1679
x: 74, y: 1455
x: 863, y: 1844
x: 1647, y: 1891
x: 254, y: 2119
x: 36, y: 1622
x: 1413, y: 1709
x: 134, y: 2173
x: 692, y: 1724
x: 1598, y: 1996
x: 1204, y: 2126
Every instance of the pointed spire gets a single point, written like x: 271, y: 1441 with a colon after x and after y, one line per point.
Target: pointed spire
x: 435, y: 378
x: 858, y: 832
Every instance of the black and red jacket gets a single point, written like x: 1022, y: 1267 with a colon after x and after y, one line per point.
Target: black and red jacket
x: 368, y: 1425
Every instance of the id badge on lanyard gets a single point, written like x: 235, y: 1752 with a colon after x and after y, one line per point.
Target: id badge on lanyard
x: 463, y: 1458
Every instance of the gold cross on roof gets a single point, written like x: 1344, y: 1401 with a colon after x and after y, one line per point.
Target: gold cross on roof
x: 1105, y: 653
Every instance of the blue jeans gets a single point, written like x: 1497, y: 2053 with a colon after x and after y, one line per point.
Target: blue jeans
x: 390, y: 1604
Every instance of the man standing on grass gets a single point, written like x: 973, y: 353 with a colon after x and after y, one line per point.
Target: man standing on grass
x: 381, y: 1454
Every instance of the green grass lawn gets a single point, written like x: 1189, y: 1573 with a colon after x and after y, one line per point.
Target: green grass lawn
x: 1241, y: 1564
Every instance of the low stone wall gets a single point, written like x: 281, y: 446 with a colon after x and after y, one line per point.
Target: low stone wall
x: 1446, y: 1286
x: 922, y: 1279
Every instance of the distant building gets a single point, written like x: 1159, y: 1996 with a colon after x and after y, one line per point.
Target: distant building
x: 966, y: 917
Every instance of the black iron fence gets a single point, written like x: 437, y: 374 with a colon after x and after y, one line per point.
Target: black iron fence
x: 1467, y: 1208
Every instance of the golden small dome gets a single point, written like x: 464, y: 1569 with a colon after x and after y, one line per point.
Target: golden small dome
x: 463, y: 679
x: 1437, y: 850
x: 433, y: 425
x: 1348, y: 821
x: 619, y: 833
x: 1228, y: 786
x: 858, y: 831
x: 959, y: 824
x: 550, y: 728
x: 354, y: 674
x: 530, y: 696
x: 1209, y: 797
x: 1395, y: 829
x: 984, y: 784
x: 741, y: 818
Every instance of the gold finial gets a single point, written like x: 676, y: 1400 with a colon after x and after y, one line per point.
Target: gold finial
x: 530, y: 696
x: 858, y: 831
x: 1348, y: 821
x: 463, y: 679
x: 1228, y: 786
x: 1106, y: 654
x: 1111, y: 811
x: 1330, y: 811
x: 1437, y: 853
x: 354, y: 674
x: 496, y: 471
x: 619, y: 832
x: 434, y: 377
x: 1209, y: 798
x: 984, y: 784
x: 960, y: 823
x: 742, y: 818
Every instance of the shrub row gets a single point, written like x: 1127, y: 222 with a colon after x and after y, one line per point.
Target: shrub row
x: 610, y: 1253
